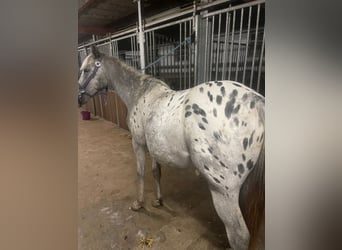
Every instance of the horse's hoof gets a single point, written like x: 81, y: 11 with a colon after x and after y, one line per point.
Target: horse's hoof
x: 157, y: 203
x: 136, y: 205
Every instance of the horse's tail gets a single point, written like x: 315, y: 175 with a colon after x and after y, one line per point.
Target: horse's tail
x: 252, y: 201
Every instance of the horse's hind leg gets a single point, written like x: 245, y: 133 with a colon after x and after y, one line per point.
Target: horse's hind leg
x: 228, y: 209
x: 140, y: 155
x: 157, y: 175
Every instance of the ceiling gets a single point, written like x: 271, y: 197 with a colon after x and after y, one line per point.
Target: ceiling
x: 100, y: 17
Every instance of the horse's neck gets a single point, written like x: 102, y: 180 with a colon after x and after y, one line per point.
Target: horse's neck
x: 126, y: 81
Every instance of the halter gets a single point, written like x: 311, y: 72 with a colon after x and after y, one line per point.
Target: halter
x: 82, y: 88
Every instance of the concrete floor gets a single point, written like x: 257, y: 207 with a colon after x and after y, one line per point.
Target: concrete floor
x: 107, y: 187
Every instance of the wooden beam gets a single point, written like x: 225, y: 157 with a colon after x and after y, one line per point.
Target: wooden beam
x: 87, y: 5
x: 94, y: 30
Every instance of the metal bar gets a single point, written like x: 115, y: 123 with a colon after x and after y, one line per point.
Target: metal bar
x: 218, y: 47
x: 205, y: 78
x: 225, y: 50
x: 196, y: 30
x: 260, y: 61
x: 239, y: 46
x: 231, y: 46
x: 247, y: 43
x: 141, y: 39
x: 255, y: 44
x: 180, y: 56
x: 190, y: 48
x: 185, y: 83
x: 252, y: 3
x: 153, y: 53
x: 211, y: 48
x: 185, y: 12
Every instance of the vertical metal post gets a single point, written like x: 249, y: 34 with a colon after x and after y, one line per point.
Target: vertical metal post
x: 190, y: 52
x: 206, y: 56
x: 141, y: 39
x: 232, y: 46
x: 218, y: 47
x: 247, y: 43
x: 185, y: 53
x: 255, y: 45
x: 212, y: 48
x: 239, y: 47
x: 225, y: 50
x: 260, y: 61
x: 196, y: 30
x: 180, y: 56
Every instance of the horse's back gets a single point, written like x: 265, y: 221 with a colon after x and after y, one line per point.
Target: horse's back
x: 224, y: 130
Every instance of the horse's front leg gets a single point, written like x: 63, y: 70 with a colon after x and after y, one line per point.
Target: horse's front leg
x: 140, y: 156
x: 157, y: 174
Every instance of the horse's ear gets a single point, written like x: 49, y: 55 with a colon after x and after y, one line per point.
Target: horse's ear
x: 95, y: 52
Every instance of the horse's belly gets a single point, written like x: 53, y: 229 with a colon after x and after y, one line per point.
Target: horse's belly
x: 166, y: 144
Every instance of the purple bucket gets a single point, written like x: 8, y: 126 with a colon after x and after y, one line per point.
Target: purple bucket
x: 85, y: 115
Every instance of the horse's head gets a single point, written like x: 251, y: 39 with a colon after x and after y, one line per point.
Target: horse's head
x: 92, y: 79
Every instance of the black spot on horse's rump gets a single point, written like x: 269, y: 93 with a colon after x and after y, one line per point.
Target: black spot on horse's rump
x: 239, y: 175
x: 216, y: 135
x: 243, y: 157
x: 210, y: 96
x: 187, y: 107
x: 236, y: 109
x: 215, y: 112
x: 251, y: 138
x: 229, y: 108
x: 181, y: 97
x: 245, y: 143
x: 210, y: 84
x: 257, y: 139
x: 201, y: 89
x: 241, y: 168
x: 233, y: 94
x: 210, y: 149
x: 235, y: 173
x: 186, y: 101
x: 134, y: 120
x: 250, y: 164
x: 236, y: 120
x: 134, y: 113
x: 252, y: 105
x: 216, y: 157
x: 206, y: 167
x: 205, y: 120
x: 222, y: 177
x: 215, y: 179
x: 198, y: 110
x: 202, y: 150
x: 223, y: 91
x: 219, y: 99
x: 196, y: 139
x: 237, y: 85
x: 187, y: 114
x: 200, y: 125
x: 222, y: 164
x: 226, y: 187
x: 219, y: 83
x: 244, y: 97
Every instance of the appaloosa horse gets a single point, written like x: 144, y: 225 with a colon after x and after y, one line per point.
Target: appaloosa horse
x: 217, y: 127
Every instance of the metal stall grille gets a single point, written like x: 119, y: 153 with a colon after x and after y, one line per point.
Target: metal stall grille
x: 170, y: 53
x: 234, y: 45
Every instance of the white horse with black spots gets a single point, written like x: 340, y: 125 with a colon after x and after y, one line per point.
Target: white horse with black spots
x: 217, y: 127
